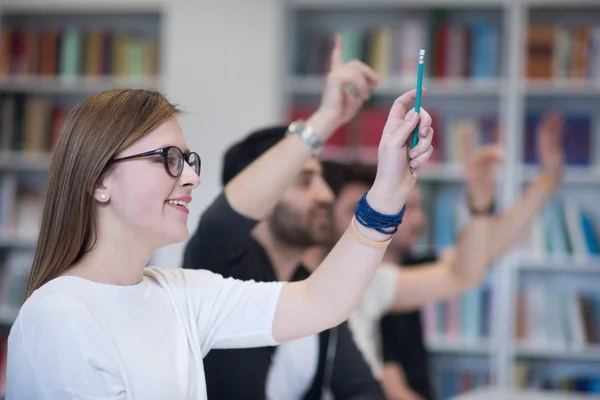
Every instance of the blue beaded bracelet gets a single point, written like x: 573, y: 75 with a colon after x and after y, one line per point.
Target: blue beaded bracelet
x: 375, y: 220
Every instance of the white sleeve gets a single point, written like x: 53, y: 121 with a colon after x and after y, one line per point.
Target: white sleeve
x: 231, y: 313
x: 379, y: 297
x: 57, y: 351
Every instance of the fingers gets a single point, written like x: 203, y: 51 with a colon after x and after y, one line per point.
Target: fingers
x: 551, y: 128
x: 357, y: 76
x: 398, y: 131
x: 423, y: 144
x: 493, y: 153
x: 422, y: 158
x: 401, y: 105
x: 336, y: 54
x: 366, y: 70
x: 551, y: 119
x: 425, y: 134
x: 425, y: 123
x: 359, y: 79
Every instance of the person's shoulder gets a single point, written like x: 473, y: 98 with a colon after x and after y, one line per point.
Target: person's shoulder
x: 51, y: 308
x: 54, y: 297
x: 201, y: 280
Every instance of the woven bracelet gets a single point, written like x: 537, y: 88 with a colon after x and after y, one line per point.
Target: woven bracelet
x: 370, y: 218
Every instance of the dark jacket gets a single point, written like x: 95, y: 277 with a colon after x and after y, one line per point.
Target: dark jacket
x: 402, y: 336
x: 223, y: 244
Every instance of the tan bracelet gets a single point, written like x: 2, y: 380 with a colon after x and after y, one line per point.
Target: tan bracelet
x: 548, y: 184
x: 367, y: 242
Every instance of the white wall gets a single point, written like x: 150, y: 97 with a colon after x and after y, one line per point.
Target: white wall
x: 223, y: 67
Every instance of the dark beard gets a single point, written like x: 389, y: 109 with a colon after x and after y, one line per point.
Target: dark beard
x: 287, y: 227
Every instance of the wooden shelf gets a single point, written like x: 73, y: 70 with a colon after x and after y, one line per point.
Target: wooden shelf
x: 58, y: 85
x: 467, y: 88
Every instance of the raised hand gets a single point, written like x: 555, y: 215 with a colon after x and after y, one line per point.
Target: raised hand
x: 398, y: 165
x: 347, y: 87
x: 479, y: 171
x: 550, y: 133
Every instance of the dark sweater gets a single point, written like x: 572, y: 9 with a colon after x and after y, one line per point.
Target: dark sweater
x: 402, y: 336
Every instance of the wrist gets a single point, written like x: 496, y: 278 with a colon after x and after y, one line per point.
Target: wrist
x: 386, y: 199
x: 323, y: 123
x: 482, y: 210
x: 547, y: 182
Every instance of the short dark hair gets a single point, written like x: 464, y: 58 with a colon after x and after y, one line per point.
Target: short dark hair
x: 245, y: 152
x: 340, y: 174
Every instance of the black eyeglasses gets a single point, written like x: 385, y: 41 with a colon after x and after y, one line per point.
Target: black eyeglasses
x: 173, y: 159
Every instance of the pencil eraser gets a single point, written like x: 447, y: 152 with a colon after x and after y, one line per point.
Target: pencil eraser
x: 422, y: 52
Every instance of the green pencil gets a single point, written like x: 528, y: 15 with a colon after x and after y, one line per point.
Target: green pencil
x: 415, y: 135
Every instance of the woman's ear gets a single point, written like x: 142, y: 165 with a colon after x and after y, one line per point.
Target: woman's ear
x: 102, y: 191
x: 101, y: 194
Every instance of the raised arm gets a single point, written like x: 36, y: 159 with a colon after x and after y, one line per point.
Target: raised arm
x: 486, y: 237
x: 511, y: 226
x: 330, y: 294
x: 275, y: 170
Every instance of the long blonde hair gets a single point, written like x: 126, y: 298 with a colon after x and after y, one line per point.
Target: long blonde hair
x: 95, y: 131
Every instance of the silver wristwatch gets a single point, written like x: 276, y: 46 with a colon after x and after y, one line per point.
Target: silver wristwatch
x: 307, y: 134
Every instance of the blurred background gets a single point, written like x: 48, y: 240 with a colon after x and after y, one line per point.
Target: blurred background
x: 493, y: 66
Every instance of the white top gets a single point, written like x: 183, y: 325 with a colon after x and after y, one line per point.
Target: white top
x: 295, y: 363
x: 293, y: 369
x: 77, y: 339
x: 364, y: 321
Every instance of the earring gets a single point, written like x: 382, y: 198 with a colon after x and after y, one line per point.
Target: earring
x: 103, y: 196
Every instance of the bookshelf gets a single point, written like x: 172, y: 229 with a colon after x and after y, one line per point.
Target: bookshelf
x: 497, y: 89
x: 50, y: 59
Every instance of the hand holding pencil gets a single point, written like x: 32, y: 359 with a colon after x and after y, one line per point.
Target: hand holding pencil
x: 415, y: 135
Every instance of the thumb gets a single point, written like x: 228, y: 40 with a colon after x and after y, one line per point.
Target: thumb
x: 336, y: 54
x: 491, y: 154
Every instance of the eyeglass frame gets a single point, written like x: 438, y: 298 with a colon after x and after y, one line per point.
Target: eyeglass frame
x: 164, y: 151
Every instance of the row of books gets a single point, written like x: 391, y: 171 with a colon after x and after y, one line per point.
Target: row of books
x: 466, y: 317
x: 454, y: 50
x: 364, y: 132
x: 21, y: 203
x: 73, y: 52
x: 463, y: 319
x: 564, y: 230
x: 30, y: 123
x: 581, y: 142
x: 557, y: 51
x: 557, y: 319
x: 526, y: 377
x: 453, y: 381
